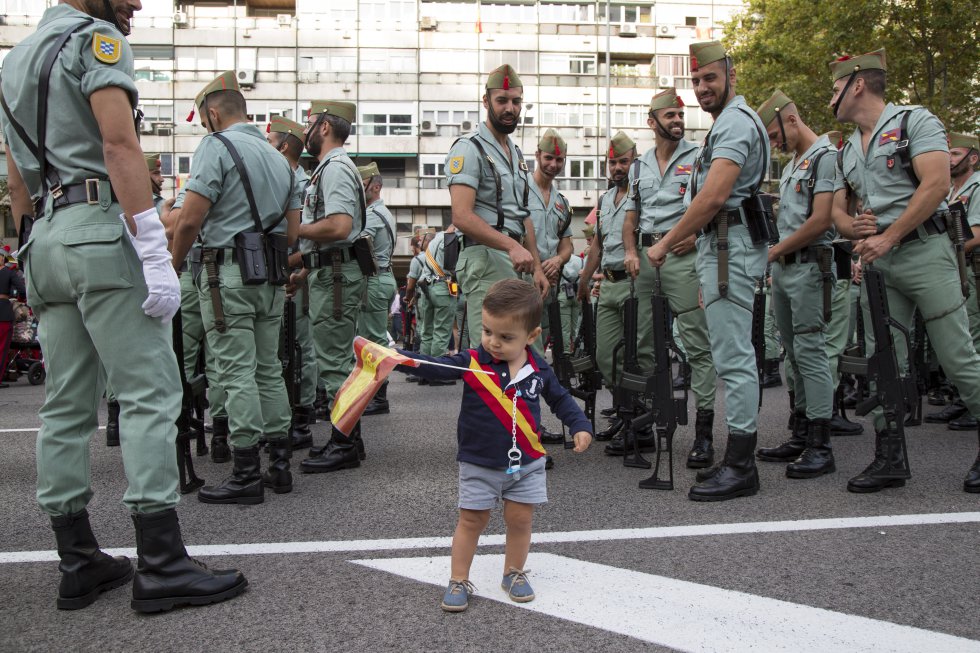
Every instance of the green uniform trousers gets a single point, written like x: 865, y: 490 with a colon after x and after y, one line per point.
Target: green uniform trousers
x: 771, y: 328
x: 730, y: 322
x: 609, y: 329
x: 85, y: 283
x: 246, y: 355
x: 333, y: 336
x: 372, y: 323
x: 304, y: 336
x: 679, y: 282
x: 478, y: 268
x: 836, y: 333
x: 972, y: 309
x: 194, y: 339
x: 546, y: 303
x: 571, y: 317
x: 438, y: 314
x: 922, y: 274
x: 797, y: 299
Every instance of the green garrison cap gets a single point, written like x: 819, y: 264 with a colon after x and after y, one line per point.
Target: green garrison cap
x: 706, y: 52
x: 776, y: 103
x: 969, y: 141
x: 152, y: 161
x: 552, y: 143
x: 504, y: 77
x: 847, y: 64
x: 345, y: 110
x: 589, y: 231
x: 368, y: 171
x: 280, y: 125
x: 668, y: 99
x: 620, y: 144
x: 226, y: 81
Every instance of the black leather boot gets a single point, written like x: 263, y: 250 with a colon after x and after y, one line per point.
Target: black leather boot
x: 818, y: 457
x: 550, y: 437
x: 358, y: 441
x: 608, y: 412
x: 735, y: 477
x: 615, y: 426
x: 340, y: 453
x: 888, y: 453
x: 770, y: 374
x: 277, y: 476
x: 85, y: 570
x: 966, y: 423
x: 220, y: 452
x: 840, y: 425
x: 623, y: 441
x: 243, y: 486
x: 955, y: 410
x: 166, y: 576
x: 112, y: 425
x: 702, y: 452
x: 379, y: 403
x: 792, y: 448
x: 971, y: 483
x: 299, y: 429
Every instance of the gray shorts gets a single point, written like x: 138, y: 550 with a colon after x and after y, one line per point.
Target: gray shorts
x: 482, y: 488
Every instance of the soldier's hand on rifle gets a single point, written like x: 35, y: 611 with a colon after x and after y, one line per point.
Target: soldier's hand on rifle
x: 683, y: 247
x: 296, y: 279
x: 582, y: 441
x: 657, y: 254
x: 857, y: 272
x: 521, y: 259
x: 551, y: 268
x: 875, y: 247
x: 541, y: 282
x: 865, y: 224
x: 632, y: 264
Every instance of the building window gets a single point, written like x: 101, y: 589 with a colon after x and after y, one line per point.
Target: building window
x: 550, y: 13
x: 184, y: 164
x: 673, y: 65
x: 403, y: 221
x: 448, y: 61
x: 525, y: 63
x: 451, y: 122
x: 206, y: 58
x: 167, y: 165
x: 385, y: 124
x: 691, y: 21
x: 625, y: 13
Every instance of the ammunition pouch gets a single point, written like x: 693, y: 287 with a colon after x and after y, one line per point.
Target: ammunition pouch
x: 363, y: 250
x: 760, y: 219
x: 250, y: 252
x: 842, y: 260
x: 450, y: 251
x: 277, y: 258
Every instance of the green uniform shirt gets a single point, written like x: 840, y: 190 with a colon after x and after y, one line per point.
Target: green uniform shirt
x: 334, y: 189
x: 548, y: 218
x: 609, y: 226
x: 381, y: 226
x: 662, y: 196
x: 214, y: 177
x: 878, y: 178
x: 302, y: 179
x: 73, y: 141
x: 734, y: 136
x: 417, y: 269
x: 795, y: 192
x: 969, y: 192
x: 465, y: 166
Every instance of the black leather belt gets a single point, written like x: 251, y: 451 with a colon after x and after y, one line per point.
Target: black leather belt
x: 465, y: 242
x: 734, y: 217
x: 934, y: 224
x: 222, y: 255
x: 805, y: 255
x: 86, y: 192
x: 615, y: 275
x: 649, y: 240
x: 325, y: 257
x: 387, y: 268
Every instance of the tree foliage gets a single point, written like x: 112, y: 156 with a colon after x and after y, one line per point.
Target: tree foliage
x: 933, y: 53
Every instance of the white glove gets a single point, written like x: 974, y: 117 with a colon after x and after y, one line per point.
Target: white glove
x: 150, y: 243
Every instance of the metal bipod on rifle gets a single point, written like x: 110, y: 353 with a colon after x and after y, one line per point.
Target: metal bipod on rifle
x: 632, y: 386
x: 575, y: 372
x: 668, y: 410
x: 889, y: 389
x: 188, y: 426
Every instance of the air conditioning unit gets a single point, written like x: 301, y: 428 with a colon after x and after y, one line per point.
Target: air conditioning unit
x: 165, y: 130
x: 180, y: 19
x: 627, y: 30
x: 466, y: 126
x: 589, y: 132
x: 246, y: 78
x: 428, y: 23
x: 146, y: 127
x: 284, y: 20
x: 428, y: 128
x: 665, y: 81
x: 667, y: 31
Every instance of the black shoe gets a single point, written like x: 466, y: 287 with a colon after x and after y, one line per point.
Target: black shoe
x: 818, y: 458
x: 243, y: 486
x: 220, y: 452
x: 548, y: 437
x: 841, y: 426
x: 955, y: 410
x: 277, y: 476
x: 888, y: 469
x: 340, y: 453
x: 702, y: 452
x: 549, y: 462
x: 770, y: 374
x: 607, y: 434
x: 965, y: 423
x: 299, y: 429
x: 620, y: 444
x: 379, y: 403
x: 735, y: 477
x: 704, y: 474
x: 608, y: 412
x: 86, y: 571
x: 792, y: 448
x: 112, y: 425
x: 436, y: 382
x: 166, y: 576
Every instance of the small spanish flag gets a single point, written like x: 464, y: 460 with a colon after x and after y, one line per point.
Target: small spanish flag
x: 890, y: 136
x: 374, y: 364
x: 683, y: 169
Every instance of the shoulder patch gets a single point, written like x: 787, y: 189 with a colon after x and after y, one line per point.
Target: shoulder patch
x: 106, y: 49
x: 456, y: 165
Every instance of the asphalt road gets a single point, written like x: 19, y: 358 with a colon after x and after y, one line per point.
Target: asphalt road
x: 922, y: 575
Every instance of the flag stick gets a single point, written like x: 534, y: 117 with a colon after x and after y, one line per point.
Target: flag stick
x: 453, y: 367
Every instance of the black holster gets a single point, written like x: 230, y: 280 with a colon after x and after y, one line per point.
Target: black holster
x: 250, y: 252
x: 825, y: 263
x: 363, y: 249
x: 760, y: 220
x: 277, y: 258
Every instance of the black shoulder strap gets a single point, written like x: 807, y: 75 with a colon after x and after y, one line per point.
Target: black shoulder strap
x: 497, y: 182
x: 522, y: 166
x: 247, y: 185
x: 564, y: 224
x: 811, y: 180
x: 764, y: 142
x: 635, y: 190
x: 362, y: 199
x: 384, y: 221
x: 902, y: 149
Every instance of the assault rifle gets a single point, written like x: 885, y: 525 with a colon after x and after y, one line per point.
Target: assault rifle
x: 577, y: 372
x: 668, y: 410
x: 890, y: 390
x: 291, y: 354
x: 919, y: 370
x: 188, y: 426
x: 632, y: 384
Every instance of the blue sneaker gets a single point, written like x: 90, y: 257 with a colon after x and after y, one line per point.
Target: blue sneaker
x: 456, y: 598
x: 516, y: 585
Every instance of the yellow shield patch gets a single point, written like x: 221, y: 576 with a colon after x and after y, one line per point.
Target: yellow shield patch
x: 456, y: 165
x: 106, y: 49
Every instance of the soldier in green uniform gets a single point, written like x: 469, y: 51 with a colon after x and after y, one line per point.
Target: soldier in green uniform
x: 154, y: 165
x: 897, y: 163
x: 372, y: 323
x: 567, y: 291
x: 728, y: 171
x: 417, y: 292
x: 242, y: 317
x: 287, y: 137
x: 101, y: 282
x: 802, y: 271
x: 659, y: 183
x: 490, y: 190
x: 334, y: 216
x: 439, y: 309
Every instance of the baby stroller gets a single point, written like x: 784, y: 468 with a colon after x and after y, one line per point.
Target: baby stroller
x: 25, y: 355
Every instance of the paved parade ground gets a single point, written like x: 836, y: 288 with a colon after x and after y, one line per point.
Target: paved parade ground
x: 357, y: 560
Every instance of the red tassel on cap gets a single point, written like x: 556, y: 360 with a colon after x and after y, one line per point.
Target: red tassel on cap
x: 190, y: 116
x: 612, y: 151
x: 680, y: 102
x: 506, y: 83
x: 268, y: 128
x: 557, y: 149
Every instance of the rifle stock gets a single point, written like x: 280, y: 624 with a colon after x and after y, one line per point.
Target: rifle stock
x: 188, y: 426
x: 632, y: 385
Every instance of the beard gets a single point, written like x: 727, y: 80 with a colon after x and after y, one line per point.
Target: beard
x: 314, y: 143
x: 500, y: 126
x: 960, y: 168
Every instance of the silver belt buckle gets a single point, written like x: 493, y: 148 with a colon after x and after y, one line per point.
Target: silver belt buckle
x: 92, y: 191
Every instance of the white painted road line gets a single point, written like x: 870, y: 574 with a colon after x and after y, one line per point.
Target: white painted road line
x: 674, y: 613
x: 660, y: 532
x: 34, y: 429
